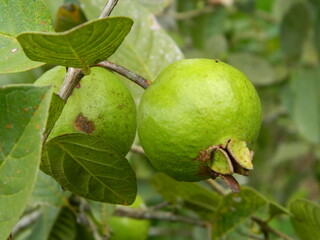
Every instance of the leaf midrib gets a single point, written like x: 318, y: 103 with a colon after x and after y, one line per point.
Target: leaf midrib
x: 75, y: 159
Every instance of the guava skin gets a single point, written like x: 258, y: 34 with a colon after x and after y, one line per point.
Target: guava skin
x: 100, y: 105
x: 194, y: 104
x: 125, y: 228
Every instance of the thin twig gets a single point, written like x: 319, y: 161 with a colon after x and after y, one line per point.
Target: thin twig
x: 108, y: 8
x: 159, y: 206
x: 265, y: 228
x: 126, y: 73
x: 73, y: 76
x: 137, y: 149
x: 26, y: 221
x: 217, y: 187
x: 158, y: 215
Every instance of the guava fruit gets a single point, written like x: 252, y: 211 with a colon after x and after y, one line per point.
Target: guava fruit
x: 124, y: 228
x: 199, y: 119
x: 100, y: 105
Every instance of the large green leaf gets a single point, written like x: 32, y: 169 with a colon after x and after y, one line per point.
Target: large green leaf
x: 303, y: 102
x: 192, y: 195
x: 24, y: 112
x: 90, y: 168
x: 80, y: 47
x: 147, y: 49
x: 236, y: 208
x: 258, y: 70
x: 294, y: 29
x: 306, y: 219
x: 17, y: 16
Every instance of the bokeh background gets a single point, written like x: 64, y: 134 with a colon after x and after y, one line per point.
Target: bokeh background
x: 275, y: 42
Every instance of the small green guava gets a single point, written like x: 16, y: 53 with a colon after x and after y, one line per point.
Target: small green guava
x: 198, y: 120
x: 124, y: 228
x: 100, y: 105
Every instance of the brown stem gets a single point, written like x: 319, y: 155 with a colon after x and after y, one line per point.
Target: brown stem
x: 73, y: 76
x: 217, y: 187
x: 108, y: 8
x: 138, y: 150
x: 126, y: 73
x: 266, y: 229
x: 158, y: 215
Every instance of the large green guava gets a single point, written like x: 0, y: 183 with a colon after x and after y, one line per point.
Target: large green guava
x: 100, y: 105
x: 198, y: 120
x: 125, y: 228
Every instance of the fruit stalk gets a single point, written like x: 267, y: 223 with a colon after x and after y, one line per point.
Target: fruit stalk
x: 158, y: 215
x: 126, y: 73
x: 108, y: 8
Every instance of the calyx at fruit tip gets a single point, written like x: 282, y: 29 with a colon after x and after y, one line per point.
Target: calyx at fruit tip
x: 226, y: 159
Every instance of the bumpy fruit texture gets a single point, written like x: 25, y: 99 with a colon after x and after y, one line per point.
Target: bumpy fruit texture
x: 100, y: 105
x: 124, y: 228
x: 192, y: 105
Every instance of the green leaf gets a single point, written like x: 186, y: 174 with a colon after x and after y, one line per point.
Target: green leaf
x: 294, y: 29
x: 90, y: 168
x: 306, y: 219
x: 276, y: 209
x: 304, y: 106
x: 15, y: 17
x: 155, y: 7
x: 193, y: 195
x: 55, y: 110
x: 80, y: 47
x: 235, y: 209
x: 48, y: 191
x: 258, y: 70
x: 147, y: 48
x: 23, y: 111
x: 65, y: 226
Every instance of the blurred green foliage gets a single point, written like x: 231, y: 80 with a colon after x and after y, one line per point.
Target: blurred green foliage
x: 277, y: 44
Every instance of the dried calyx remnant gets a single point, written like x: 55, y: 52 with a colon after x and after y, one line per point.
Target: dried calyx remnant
x: 226, y: 159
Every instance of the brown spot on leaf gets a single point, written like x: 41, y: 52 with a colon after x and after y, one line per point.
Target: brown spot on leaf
x: 38, y: 126
x: 8, y: 126
x: 26, y: 109
x: 83, y: 124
